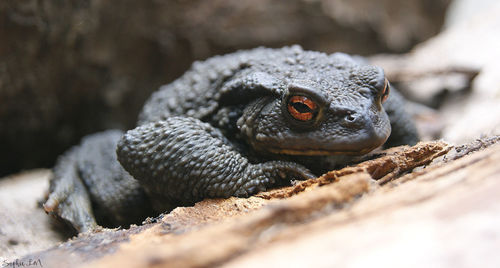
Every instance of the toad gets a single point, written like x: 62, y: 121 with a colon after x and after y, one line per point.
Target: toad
x: 232, y: 125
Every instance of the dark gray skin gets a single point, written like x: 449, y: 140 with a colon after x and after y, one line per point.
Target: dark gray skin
x: 232, y: 125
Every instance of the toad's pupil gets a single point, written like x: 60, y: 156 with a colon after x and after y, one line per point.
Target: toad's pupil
x: 301, y: 107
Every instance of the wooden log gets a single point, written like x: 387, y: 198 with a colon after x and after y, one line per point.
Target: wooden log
x: 433, y: 205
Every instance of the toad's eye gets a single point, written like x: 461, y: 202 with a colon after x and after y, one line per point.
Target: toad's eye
x: 302, y: 108
x: 385, y: 92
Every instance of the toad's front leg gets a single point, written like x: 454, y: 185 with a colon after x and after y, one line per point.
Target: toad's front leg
x: 182, y: 160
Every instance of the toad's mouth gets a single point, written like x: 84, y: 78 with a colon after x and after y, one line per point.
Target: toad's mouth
x: 311, y: 152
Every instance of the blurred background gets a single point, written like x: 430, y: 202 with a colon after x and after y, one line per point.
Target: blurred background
x: 70, y: 68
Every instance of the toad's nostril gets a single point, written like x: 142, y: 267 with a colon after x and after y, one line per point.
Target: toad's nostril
x: 350, y: 117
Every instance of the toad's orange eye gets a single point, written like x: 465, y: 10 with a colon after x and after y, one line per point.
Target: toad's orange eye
x: 302, y: 108
x: 385, y: 91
